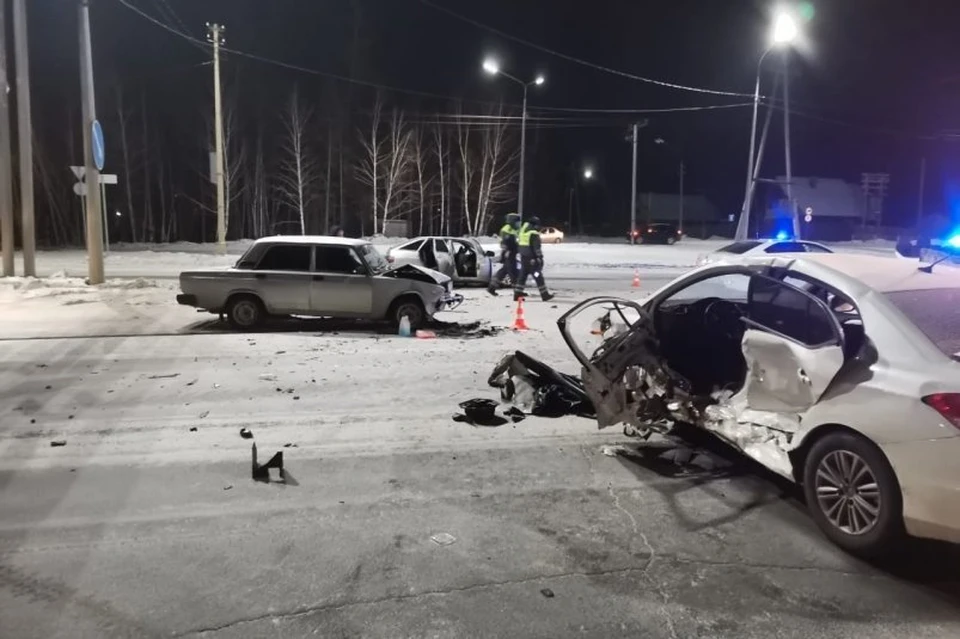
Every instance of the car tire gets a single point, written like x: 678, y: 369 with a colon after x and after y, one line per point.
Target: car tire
x: 639, y: 240
x: 870, y: 526
x: 671, y: 241
x: 412, y: 307
x: 245, y: 312
x: 558, y: 241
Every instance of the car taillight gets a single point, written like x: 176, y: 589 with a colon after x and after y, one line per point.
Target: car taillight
x: 636, y: 233
x: 947, y: 404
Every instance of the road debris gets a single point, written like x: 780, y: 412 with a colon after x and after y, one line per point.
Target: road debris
x: 245, y: 433
x: 58, y: 442
x: 443, y: 539
x: 546, y: 592
x: 166, y: 376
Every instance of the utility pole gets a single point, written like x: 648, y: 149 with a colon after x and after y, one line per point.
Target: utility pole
x: 786, y: 144
x: 6, y: 183
x: 91, y: 176
x: 682, y: 171
x: 25, y: 139
x: 633, y: 186
x: 216, y: 31
x: 923, y: 180
x: 523, y: 152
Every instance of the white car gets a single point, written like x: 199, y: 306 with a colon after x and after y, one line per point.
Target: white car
x: 319, y: 277
x: 754, y: 248
x: 840, y: 372
x: 461, y: 258
x: 551, y: 235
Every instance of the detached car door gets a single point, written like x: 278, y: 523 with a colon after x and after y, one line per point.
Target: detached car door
x: 341, y: 284
x: 793, y: 347
x: 282, y: 278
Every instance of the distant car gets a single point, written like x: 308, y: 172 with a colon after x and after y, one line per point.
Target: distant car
x: 551, y: 235
x: 463, y: 259
x: 658, y: 233
x: 758, y: 248
x: 840, y: 372
x: 317, y: 276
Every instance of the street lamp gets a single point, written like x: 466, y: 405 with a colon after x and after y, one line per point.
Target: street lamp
x: 784, y: 32
x: 492, y: 67
x: 588, y: 173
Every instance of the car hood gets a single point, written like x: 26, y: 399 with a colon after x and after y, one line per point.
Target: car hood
x: 417, y: 273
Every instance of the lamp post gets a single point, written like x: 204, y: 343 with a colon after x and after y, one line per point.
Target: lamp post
x: 493, y: 68
x: 785, y: 31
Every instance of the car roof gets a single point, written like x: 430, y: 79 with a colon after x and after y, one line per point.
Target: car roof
x: 886, y: 274
x: 330, y: 240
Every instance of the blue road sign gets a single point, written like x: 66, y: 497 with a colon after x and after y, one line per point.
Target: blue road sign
x: 99, y: 151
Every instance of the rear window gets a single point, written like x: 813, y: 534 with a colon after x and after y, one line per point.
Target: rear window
x: 936, y: 312
x: 739, y: 248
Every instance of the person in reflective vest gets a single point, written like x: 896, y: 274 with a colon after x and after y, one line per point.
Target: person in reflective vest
x: 531, y: 260
x: 508, y: 252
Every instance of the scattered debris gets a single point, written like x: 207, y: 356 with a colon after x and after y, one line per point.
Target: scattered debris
x: 296, y: 397
x: 192, y: 382
x: 204, y: 414
x: 228, y: 487
x: 245, y: 433
x: 538, y: 389
x: 546, y: 592
x: 291, y: 446
x: 613, y: 451
x: 515, y: 414
x: 167, y: 376
x: 193, y: 429
x: 58, y: 442
x: 69, y: 416
x: 268, y: 377
x: 48, y: 387
x: 480, y: 412
x: 260, y: 472
x: 422, y: 334
x: 443, y: 539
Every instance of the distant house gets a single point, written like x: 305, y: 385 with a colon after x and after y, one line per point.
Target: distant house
x: 835, y: 207
x: 698, y: 212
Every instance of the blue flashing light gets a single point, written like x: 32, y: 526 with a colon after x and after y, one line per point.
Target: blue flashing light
x: 954, y: 241
x: 783, y: 235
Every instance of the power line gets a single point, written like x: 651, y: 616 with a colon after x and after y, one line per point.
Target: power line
x: 710, y: 107
x: 570, y: 58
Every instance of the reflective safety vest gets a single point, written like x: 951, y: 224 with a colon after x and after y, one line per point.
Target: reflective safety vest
x: 507, y: 229
x: 526, y: 232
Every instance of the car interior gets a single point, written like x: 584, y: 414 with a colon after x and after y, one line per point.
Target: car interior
x: 700, y: 336
x: 466, y: 260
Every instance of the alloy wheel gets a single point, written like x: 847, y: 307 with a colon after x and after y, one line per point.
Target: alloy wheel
x: 848, y: 492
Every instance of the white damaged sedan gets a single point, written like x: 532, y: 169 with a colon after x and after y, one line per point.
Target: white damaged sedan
x: 838, y: 372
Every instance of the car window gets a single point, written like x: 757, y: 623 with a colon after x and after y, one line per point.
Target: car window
x: 739, y: 248
x: 815, y: 248
x: 788, y: 311
x: 286, y: 257
x: 936, y: 312
x: 440, y: 246
x: 732, y: 287
x: 339, y: 259
x: 410, y: 246
x: 375, y: 261
x: 251, y: 257
x: 785, y: 247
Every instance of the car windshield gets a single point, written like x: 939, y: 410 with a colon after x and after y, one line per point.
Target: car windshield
x: 377, y: 263
x: 739, y: 248
x: 936, y: 312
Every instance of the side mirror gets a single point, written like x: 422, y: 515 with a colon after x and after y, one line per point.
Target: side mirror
x: 490, y: 254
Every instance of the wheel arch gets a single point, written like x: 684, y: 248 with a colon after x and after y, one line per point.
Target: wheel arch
x: 242, y: 292
x: 798, y: 455
x: 406, y: 296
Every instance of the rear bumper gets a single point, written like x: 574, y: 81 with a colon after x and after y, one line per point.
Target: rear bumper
x: 929, y: 477
x: 187, y: 300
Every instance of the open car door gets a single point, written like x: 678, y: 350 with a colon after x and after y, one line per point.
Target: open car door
x: 793, y: 347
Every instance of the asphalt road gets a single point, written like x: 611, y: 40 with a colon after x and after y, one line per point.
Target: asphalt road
x: 395, y: 521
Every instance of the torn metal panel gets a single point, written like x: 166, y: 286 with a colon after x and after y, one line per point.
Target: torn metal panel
x: 537, y: 388
x: 784, y: 376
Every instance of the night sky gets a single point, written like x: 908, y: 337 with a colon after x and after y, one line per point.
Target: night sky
x: 876, y: 82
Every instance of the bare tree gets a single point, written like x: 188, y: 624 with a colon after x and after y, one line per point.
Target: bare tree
x: 498, y: 172
x: 420, y: 158
x: 466, y: 175
x: 442, y: 152
x: 368, y: 170
x: 397, y: 178
x: 299, y: 170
